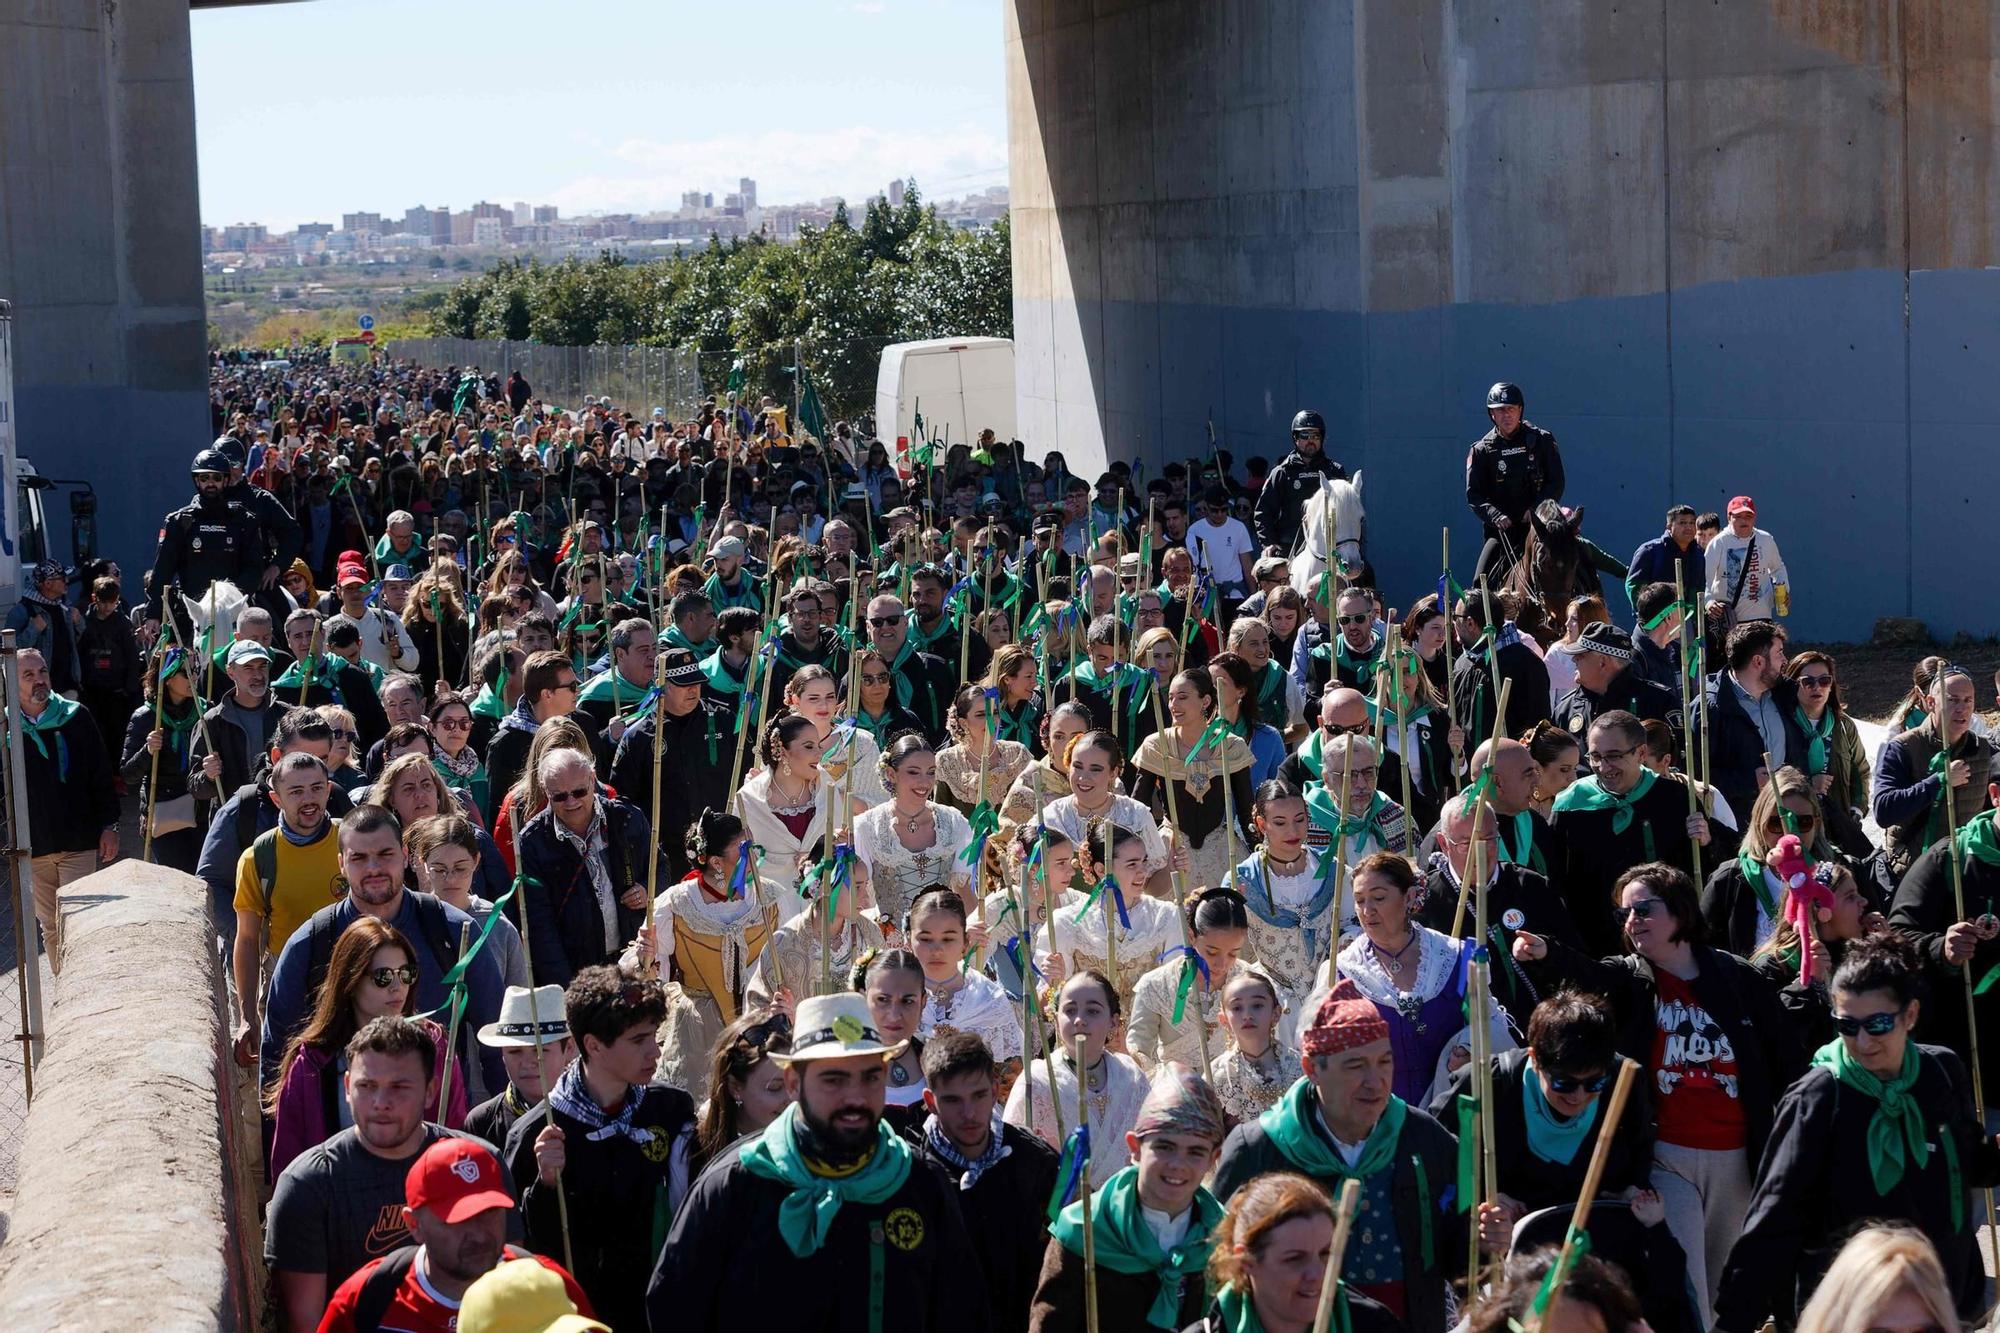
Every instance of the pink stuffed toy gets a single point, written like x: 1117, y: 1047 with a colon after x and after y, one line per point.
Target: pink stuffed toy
x: 1810, y: 899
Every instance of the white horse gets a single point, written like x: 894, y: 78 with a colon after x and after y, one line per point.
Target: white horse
x: 1338, y: 504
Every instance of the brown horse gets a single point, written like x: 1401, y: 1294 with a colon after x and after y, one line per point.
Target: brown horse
x: 1553, y: 569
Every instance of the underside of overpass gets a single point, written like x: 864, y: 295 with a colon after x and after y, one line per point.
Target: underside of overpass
x: 1741, y: 247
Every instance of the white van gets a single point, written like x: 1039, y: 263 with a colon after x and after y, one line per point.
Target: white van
x: 961, y: 386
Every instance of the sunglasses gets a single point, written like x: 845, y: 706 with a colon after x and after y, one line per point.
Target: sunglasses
x: 452, y: 723
x: 1361, y: 619
x: 1802, y: 823
x: 339, y: 735
x: 1643, y: 910
x: 570, y: 685
x: 874, y: 678
x: 1564, y: 1084
x: 1875, y: 1025
x: 385, y: 977
x: 884, y: 622
x: 1815, y: 682
x: 567, y: 797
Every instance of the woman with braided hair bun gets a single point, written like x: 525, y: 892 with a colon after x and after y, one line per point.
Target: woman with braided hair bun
x: 910, y: 841
x: 796, y: 945
x: 1218, y: 926
x: 785, y: 803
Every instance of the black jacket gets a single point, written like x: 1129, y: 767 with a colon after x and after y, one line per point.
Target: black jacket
x: 71, y: 795
x: 1814, y: 1189
x: 695, y: 761
x: 1593, y: 857
x: 1278, y: 517
x: 227, y: 739
x: 109, y: 654
x: 1924, y: 908
x: 1542, y: 912
x: 1364, y: 1315
x: 507, y: 755
x: 1006, y: 1216
x: 1476, y: 692
x: 1743, y: 1004
x: 282, y: 540
x: 725, y: 1266
x: 1426, y: 1170
x: 136, y: 764
x: 200, y: 544
x: 562, y: 908
x: 352, y: 688
x: 618, y: 1198
x: 1539, y: 1182
x: 1511, y: 476
x: 1123, y: 1299
x: 1628, y: 690
x: 1735, y: 747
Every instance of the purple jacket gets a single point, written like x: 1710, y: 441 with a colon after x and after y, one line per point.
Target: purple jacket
x: 308, y: 1112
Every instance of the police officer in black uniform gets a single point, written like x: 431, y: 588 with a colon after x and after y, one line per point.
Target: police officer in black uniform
x: 212, y: 538
x: 1511, y: 469
x: 279, y: 534
x: 1605, y: 682
x: 1281, y: 504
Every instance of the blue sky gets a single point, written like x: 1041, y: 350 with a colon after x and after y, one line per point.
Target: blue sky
x: 305, y: 111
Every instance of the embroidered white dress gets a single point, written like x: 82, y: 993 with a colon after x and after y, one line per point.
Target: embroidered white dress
x: 977, y: 1005
x: 1151, y: 1034
x: 959, y: 768
x: 1063, y: 816
x: 796, y: 945
x: 1247, y: 1087
x: 896, y: 873
x: 852, y: 748
x: 1113, y: 1110
x: 782, y: 848
x: 1088, y: 942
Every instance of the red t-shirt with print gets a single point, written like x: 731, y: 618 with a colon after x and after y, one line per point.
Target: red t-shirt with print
x: 1695, y: 1088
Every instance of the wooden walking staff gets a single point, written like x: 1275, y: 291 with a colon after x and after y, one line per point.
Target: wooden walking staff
x: 1117, y: 624
x: 1343, y: 1223
x: 1174, y: 874
x: 1965, y: 968
x: 1552, y: 1284
x: 1083, y: 1195
x: 1694, y: 801
x: 1403, y: 747
x: 1450, y: 633
x: 1480, y: 802
x: 535, y: 1018
x: 659, y: 744
x: 153, y: 781
x: 1339, y: 863
x: 451, y: 1030
x: 1048, y: 924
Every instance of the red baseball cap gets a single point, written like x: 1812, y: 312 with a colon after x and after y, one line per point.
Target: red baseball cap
x: 352, y: 574
x: 456, y: 1178
x: 1742, y: 504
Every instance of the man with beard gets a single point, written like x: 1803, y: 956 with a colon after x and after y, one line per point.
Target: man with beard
x: 282, y: 878
x: 207, y: 540
x: 806, y: 640
x: 42, y: 620
x: 698, y: 747
x: 611, y: 1140
x: 343, y: 1203
x: 237, y: 728
x: 373, y: 864
x: 457, y: 1210
x: 825, y: 1211
x: 923, y: 683
x: 72, y: 794
x: 1357, y: 648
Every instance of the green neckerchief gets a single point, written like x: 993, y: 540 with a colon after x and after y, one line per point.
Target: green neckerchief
x: 1817, y: 736
x: 1589, y: 794
x: 1361, y: 665
x: 1753, y: 873
x: 808, y: 1211
x: 946, y: 628
x: 722, y: 599
x: 1271, y: 701
x: 1523, y: 852
x: 1019, y: 723
x: 488, y: 703
x: 324, y: 674
x: 1327, y: 814
x: 1288, y: 1125
x: 59, y: 711
x: 1239, y: 1314
x: 674, y: 638
x: 720, y: 678
x: 612, y: 687
x: 1896, y: 1130
x: 906, y: 690
x: 1124, y: 1243
x: 1550, y: 1137
x: 1134, y: 682
x: 1977, y: 839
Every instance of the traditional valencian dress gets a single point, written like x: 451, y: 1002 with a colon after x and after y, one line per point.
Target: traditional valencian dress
x: 785, y: 832
x: 1295, y: 923
x: 976, y: 1004
x: 1114, y: 1108
x: 715, y: 945
x: 958, y: 769
x: 1248, y: 1087
x: 1087, y: 935
x: 1426, y: 1022
x: 1064, y: 817
x: 1151, y: 1033
x: 896, y: 873
x: 1201, y: 802
x: 796, y: 948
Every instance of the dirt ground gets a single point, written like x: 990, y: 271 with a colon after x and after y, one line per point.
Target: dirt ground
x: 1874, y: 677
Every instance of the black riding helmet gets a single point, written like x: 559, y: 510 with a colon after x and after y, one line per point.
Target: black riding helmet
x: 1307, y: 419
x: 231, y: 449
x: 1504, y: 394
x: 211, y: 459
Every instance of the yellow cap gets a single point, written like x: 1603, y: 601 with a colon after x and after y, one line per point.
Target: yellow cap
x: 522, y: 1296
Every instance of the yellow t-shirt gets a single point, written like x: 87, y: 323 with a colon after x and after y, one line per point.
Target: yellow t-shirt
x: 308, y: 879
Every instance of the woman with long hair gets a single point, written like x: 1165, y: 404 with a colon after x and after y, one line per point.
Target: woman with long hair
x: 746, y: 1087
x: 785, y: 803
x: 434, y: 602
x: 1013, y: 674
x: 373, y: 971
x: 1834, y: 760
x: 176, y: 834
x: 1561, y: 655
x: 1236, y: 701
x: 1833, y: 933
x: 1208, y: 779
x: 1886, y: 1279
x: 878, y: 713
x: 1744, y: 899
x: 977, y: 752
x: 1880, y: 1129
x: 452, y: 752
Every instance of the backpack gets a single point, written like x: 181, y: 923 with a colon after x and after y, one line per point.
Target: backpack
x: 379, y: 1289
x: 431, y: 924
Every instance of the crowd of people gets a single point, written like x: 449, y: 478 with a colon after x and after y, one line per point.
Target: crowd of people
x: 682, y: 874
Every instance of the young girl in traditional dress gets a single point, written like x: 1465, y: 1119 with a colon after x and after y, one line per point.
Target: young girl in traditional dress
x: 1014, y: 912
x: 910, y: 842
x: 1180, y: 776
x: 957, y: 998
x: 1217, y: 926
x: 1093, y: 935
x: 1087, y: 1006
x: 892, y: 981
x: 1254, y: 1067
x: 1298, y: 911
x: 796, y: 944
x: 962, y: 763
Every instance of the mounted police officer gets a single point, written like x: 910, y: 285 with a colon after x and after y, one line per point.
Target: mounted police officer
x: 1511, y: 469
x: 1281, y: 504
x: 212, y: 538
x: 280, y: 539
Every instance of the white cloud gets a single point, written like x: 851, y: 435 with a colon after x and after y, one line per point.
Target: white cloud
x: 642, y: 174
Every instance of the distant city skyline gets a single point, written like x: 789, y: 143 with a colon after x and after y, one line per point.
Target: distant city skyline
x: 348, y: 105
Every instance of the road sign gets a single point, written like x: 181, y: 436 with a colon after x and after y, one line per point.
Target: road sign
x: 367, y: 335
x: 367, y: 323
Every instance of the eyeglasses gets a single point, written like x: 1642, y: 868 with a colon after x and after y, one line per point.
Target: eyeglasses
x: 1598, y: 758
x: 385, y: 977
x: 1875, y: 1025
x: 1361, y: 619
x: 1643, y: 910
x: 1564, y: 1084
x: 1815, y: 682
x: 569, y: 797
x: 452, y: 723
x: 884, y: 622
x: 570, y: 685
x: 1336, y: 729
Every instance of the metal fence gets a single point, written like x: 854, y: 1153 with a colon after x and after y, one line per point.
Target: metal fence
x: 636, y: 378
